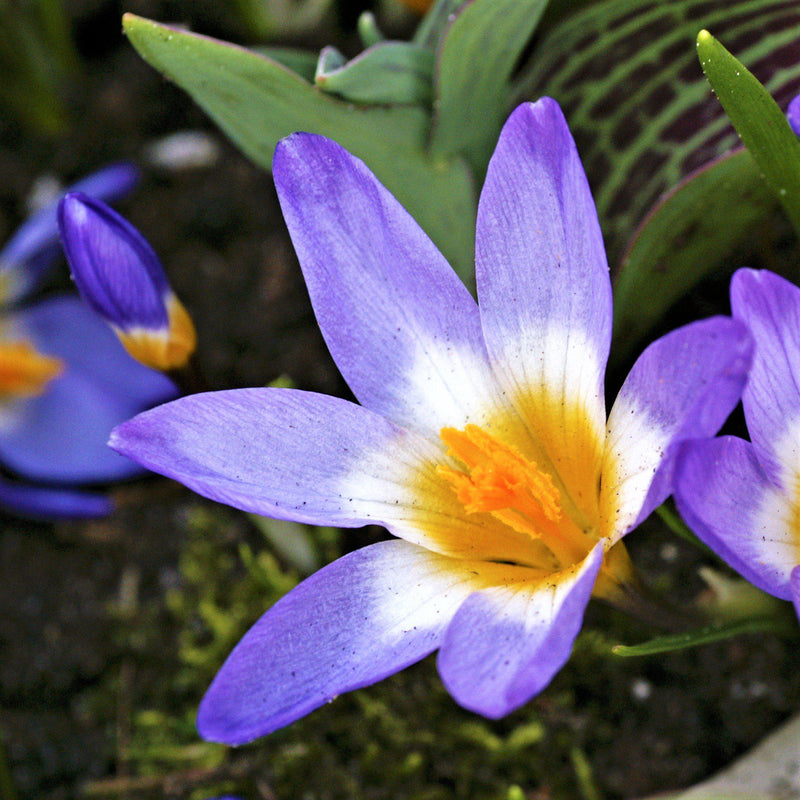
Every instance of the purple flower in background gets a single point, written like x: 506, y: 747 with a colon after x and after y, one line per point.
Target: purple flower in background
x: 481, y: 440
x: 793, y: 115
x: 65, y: 381
x: 35, y: 246
x: 119, y: 275
x: 743, y: 498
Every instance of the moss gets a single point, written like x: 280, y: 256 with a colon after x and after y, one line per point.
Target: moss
x: 583, y: 737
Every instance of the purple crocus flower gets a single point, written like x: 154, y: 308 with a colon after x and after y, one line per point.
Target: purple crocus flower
x: 743, y: 498
x: 65, y: 381
x: 119, y: 275
x: 481, y: 440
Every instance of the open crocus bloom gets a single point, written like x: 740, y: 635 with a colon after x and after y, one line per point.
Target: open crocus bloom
x: 481, y: 440
x: 65, y: 381
x: 743, y: 498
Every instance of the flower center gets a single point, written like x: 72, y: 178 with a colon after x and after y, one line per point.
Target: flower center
x: 24, y: 371
x: 500, y: 481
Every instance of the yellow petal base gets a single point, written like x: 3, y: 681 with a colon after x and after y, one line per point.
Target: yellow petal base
x: 163, y: 350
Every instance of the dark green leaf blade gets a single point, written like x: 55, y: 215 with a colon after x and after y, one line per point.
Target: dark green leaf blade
x: 690, y: 233
x: 711, y: 633
x: 476, y: 57
x: 758, y: 120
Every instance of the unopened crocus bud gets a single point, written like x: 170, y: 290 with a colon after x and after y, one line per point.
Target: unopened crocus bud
x: 119, y: 275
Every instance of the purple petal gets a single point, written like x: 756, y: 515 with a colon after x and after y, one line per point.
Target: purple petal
x: 400, y: 325
x: 61, y: 435
x: 728, y: 500
x: 683, y: 386
x: 315, y: 459
x: 47, y: 504
x: 364, y: 617
x: 544, y: 289
x: 770, y: 307
x: 506, y: 643
x: 545, y: 294
x: 35, y: 245
x: 278, y: 452
x: 793, y: 115
x: 117, y: 272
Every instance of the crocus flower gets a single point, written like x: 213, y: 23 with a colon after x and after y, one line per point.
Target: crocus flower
x: 119, y: 275
x: 743, y: 498
x: 481, y: 440
x: 65, y: 381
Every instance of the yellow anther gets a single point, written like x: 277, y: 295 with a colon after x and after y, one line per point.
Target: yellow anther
x: 24, y: 371
x: 498, y: 476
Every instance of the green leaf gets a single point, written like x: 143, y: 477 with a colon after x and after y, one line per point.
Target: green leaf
x: 388, y: 72
x: 758, y: 120
x: 368, y: 30
x: 706, y: 635
x: 303, y: 62
x: 472, y: 90
x: 433, y: 25
x: 257, y: 102
x: 692, y: 231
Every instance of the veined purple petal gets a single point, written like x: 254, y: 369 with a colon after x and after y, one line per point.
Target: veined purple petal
x: 61, y: 435
x: 35, y: 245
x: 506, y: 643
x: 47, y: 504
x: 116, y: 271
x: 683, y: 386
x: 543, y: 283
x: 400, y: 325
x: 543, y: 286
x: 770, y: 307
x: 277, y: 452
x: 315, y: 459
x: 366, y: 616
x: 728, y: 500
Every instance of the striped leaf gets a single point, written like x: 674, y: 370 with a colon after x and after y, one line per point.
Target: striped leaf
x: 627, y: 75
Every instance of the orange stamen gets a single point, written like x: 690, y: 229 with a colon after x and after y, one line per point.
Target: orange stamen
x: 499, y: 476
x: 501, y: 481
